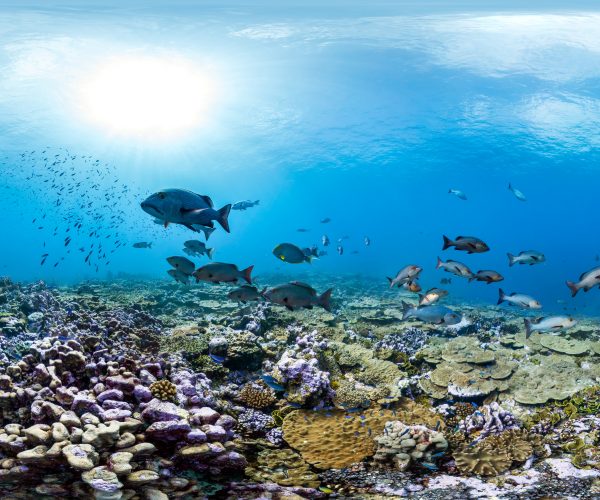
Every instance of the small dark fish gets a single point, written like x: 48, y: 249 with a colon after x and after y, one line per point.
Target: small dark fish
x: 303, y: 230
x: 325, y: 220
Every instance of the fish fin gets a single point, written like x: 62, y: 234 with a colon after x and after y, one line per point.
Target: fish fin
x: 391, y: 282
x: 421, y: 297
x: 207, y: 200
x: 405, y: 308
x: 222, y: 217
x: 149, y: 245
x: 501, y: 296
x: 257, y: 202
x: 246, y: 274
x: 210, y: 252
x: 472, y: 245
x: 166, y: 224
x: 573, y: 287
x: 190, y: 211
x: 511, y: 259
x: 308, y: 258
x: 439, y: 263
x: 189, y: 226
x: 447, y: 242
x: 324, y: 300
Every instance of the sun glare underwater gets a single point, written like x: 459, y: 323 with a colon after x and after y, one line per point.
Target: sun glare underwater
x: 319, y: 250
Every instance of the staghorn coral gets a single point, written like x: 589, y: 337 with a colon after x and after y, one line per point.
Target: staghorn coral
x: 404, y: 445
x: 337, y: 439
x: 163, y: 390
x: 257, y: 395
x: 284, y: 467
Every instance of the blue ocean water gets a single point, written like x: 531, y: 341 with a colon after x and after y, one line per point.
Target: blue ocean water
x: 365, y: 115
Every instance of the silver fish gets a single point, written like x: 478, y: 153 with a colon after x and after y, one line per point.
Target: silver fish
x: 458, y: 193
x: 186, y: 266
x: 325, y: 240
x: 518, y: 299
x: 292, y: 254
x: 367, y: 241
x: 219, y: 272
x: 587, y: 281
x: 530, y: 257
x: 179, y: 206
x: 438, y: 315
x: 406, y: 274
x: 340, y: 250
x: 296, y: 295
x: 431, y: 296
x: 454, y: 267
x: 550, y: 324
x: 469, y: 244
x: 518, y: 194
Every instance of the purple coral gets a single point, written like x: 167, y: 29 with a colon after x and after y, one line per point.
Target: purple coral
x: 491, y: 419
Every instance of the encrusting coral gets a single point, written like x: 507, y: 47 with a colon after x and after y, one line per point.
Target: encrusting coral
x: 257, y: 395
x: 284, y: 467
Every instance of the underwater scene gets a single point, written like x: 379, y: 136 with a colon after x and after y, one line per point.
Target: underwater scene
x: 299, y: 250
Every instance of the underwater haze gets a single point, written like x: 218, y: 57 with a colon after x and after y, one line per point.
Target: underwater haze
x: 366, y: 119
x: 309, y: 250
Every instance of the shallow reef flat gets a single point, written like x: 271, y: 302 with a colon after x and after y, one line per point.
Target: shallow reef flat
x: 136, y: 389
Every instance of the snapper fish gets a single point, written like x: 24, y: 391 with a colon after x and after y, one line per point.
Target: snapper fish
x: 454, y: 267
x: 469, y: 244
x: 405, y: 275
x: 292, y: 254
x: 487, y: 276
x: 244, y: 205
x: 186, y: 266
x: 431, y: 296
x: 197, y: 248
x: 219, y: 272
x: 530, y: 257
x: 438, y: 315
x: 178, y: 276
x: 554, y: 324
x: 296, y: 295
x: 245, y: 293
x: 587, y: 281
x: 179, y: 206
x: 518, y: 299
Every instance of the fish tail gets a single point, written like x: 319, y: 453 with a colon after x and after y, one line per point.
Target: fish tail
x: 210, y: 252
x: 308, y: 258
x: 391, y: 282
x: 573, y: 287
x: 501, y: 296
x: 325, y: 300
x: 246, y: 274
x: 439, y: 263
x: 223, y: 215
x: 405, y: 308
x: 511, y: 259
x: 447, y: 242
x: 527, y: 322
x: 421, y: 297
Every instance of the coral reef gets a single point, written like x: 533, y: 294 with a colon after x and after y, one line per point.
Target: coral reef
x: 404, y: 445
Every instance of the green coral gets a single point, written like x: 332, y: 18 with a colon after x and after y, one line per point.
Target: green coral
x: 584, y: 402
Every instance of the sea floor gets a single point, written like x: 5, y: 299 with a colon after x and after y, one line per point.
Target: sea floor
x: 150, y: 389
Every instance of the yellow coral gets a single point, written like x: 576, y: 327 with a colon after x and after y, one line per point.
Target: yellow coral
x: 257, y: 395
x: 164, y: 390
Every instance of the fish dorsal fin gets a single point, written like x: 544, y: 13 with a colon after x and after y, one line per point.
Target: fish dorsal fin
x: 513, y: 294
x: 583, y: 275
x: 207, y: 200
x: 460, y: 238
x: 429, y: 291
x: 303, y: 285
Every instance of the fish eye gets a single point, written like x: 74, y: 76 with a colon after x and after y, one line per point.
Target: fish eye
x: 162, y: 196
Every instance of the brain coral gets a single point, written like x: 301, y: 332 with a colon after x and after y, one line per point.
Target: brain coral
x: 337, y: 439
